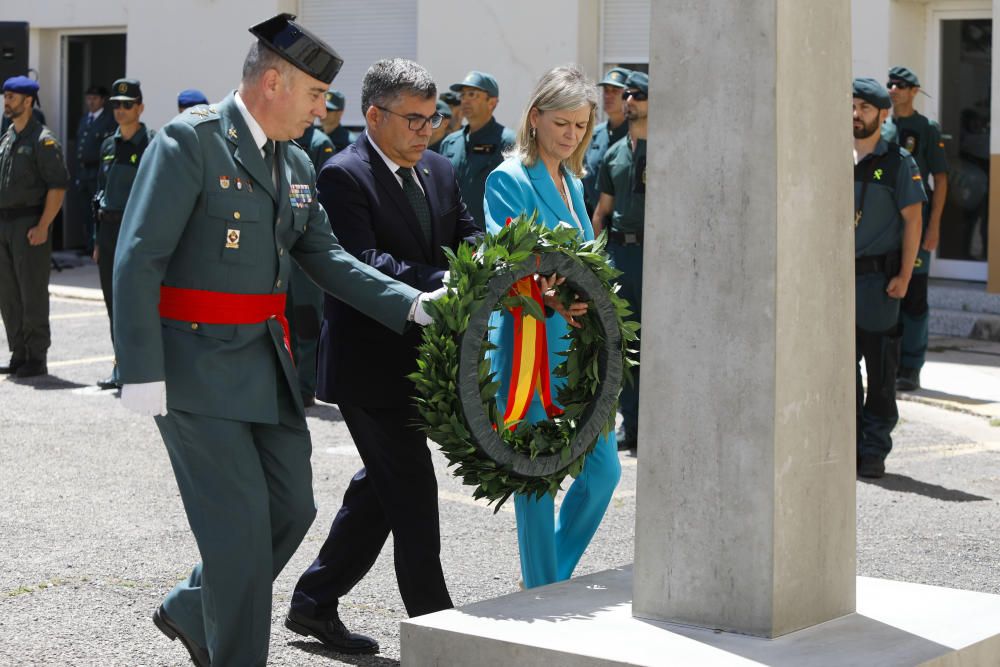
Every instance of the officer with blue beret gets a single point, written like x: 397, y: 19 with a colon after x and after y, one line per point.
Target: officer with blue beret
x: 605, y: 134
x: 622, y: 186
x: 921, y: 137
x: 33, y: 182
x: 190, y: 97
x: 95, y: 126
x: 478, y: 148
x: 223, y: 203
x: 888, y: 200
x: 339, y: 135
x: 121, y: 154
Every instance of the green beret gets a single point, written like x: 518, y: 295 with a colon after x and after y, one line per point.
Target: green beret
x: 905, y: 75
x: 873, y: 92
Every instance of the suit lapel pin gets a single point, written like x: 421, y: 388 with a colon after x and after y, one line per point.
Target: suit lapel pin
x: 427, y: 172
x: 232, y: 133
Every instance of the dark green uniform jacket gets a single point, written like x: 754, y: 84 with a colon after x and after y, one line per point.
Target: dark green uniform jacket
x: 31, y: 164
x: 341, y: 138
x: 89, y: 139
x: 600, y: 142
x: 474, y: 155
x: 119, y: 165
x: 204, y: 214
x: 623, y: 176
x: 317, y: 146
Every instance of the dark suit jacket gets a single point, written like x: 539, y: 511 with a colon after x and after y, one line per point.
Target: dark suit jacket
x: 360, y: 362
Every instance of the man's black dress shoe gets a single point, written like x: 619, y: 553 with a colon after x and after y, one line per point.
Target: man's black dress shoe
x: 11, y: 366
x: 908, y: 379
x: 32, y: 368
x: 199, y: 655
x: 108, y: 383
x: 871, y: 466
x: 331, y: 632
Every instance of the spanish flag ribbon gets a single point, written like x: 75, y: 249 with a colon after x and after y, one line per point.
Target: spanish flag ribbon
x: 530, y: 367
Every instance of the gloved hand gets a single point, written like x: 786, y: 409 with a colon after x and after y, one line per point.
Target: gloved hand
x: 148, y: 399
x: 420, y: 314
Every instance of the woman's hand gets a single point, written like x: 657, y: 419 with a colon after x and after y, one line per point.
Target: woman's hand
x: 550, y: 296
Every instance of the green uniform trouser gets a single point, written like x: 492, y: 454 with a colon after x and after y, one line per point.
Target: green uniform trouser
x: 877, y: 342
x: 914, y: 313
x: 628, y: 260
x: 107, y: 244
x: 304, y: 310
x: 247, y: 491
x: 24, y: 290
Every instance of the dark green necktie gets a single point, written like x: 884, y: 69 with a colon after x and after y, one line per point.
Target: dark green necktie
x: 417, y: 201
x: 269, y: 159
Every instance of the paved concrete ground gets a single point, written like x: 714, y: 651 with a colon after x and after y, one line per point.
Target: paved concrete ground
x: 93, y: 532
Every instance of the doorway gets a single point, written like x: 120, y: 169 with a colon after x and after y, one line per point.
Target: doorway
x: 962, y: 45
x: 89, y: 60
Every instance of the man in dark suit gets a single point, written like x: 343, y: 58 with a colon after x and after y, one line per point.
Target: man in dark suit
x: 393, y: 205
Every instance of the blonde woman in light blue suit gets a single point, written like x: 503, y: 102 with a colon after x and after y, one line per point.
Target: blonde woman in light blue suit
x: 542, y: 174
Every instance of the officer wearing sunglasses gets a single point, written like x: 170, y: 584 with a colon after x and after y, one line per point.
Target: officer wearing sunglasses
x: 621, y: 181
x: 120, y: 155
x: 921, y: 137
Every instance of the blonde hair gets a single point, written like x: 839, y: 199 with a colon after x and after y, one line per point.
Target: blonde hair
x: 561, y: 88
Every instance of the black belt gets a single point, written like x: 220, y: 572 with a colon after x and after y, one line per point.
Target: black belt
x: 90, y: 164
x: 110, y: 216
x: 874, y: 264
x: 7, y: 214
x: 625, y: 238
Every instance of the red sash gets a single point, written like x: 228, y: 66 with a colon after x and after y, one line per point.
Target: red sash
x: 207, y: 307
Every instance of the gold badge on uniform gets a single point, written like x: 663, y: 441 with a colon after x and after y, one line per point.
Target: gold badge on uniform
x: 123, y: 88
x: 232, y: 133
x: 233, y: 239
x: 224, y: 182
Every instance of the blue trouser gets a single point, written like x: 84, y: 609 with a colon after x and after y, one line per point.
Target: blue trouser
x: 628, y: 260
x: 549, y: 549
x: 914, y: 314
x: 304, y: 310
x: 247, y: 491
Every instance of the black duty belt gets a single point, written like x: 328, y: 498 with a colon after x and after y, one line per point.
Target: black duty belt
x: 7, y: 214
x: 110, y: 216
x: 625, y: 238
x: 873, y: 264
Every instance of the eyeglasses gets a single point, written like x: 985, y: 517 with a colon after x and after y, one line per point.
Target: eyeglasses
x: 636, y: 95
x: 415, y: 121
x: 902, y: 85
x: 122, y: 104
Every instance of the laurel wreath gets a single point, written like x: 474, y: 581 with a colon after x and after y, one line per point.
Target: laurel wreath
x: 456, y: 389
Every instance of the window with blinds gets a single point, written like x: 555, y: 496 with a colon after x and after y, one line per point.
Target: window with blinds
x: 625, y: 31
x: 362, y: 32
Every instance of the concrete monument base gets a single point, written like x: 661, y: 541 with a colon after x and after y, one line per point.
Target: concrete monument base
x: 588, y: 622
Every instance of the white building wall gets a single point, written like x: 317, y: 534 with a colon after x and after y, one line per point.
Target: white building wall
x: 516, y: 41
x: 870, y: 28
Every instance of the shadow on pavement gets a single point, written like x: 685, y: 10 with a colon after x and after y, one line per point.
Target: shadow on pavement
x: 904, y: 484
x: 317, y: 648
x: 47, y: 383
x: 326, y: 412
x: 953, y: 398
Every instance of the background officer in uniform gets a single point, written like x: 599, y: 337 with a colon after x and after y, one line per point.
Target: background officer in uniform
x: 222, y: 204
x: 888, y: 197
x: 622, y: 184
x: 190, y: 97
x: 478, y: 148
x: 304, y: 308
x: 33, y: 181
x: 922, y: 139
x: 339, y: 135
x: 95, y: 126
x: 607, y: 133
x: 440, y: 132
x: 454, y: 102
x: 120, y: 157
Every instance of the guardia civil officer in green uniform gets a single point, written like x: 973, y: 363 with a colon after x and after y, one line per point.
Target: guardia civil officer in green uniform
x: 120, y: 157
x: 606, y: 134
x: 478, y: 148
x: 96, y: 125
x: 888, y: 197
x: 622, y: 184
x: 339, y: 135
x: 304, y: 308
x: 440, y: 132
x: 222, y: 205
x: 921, y: 137
x: 33, y: 182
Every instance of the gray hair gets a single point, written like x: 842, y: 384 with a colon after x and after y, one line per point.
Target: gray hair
x: 387, y: 79
x: 260, y: 59
x: 560, y: 88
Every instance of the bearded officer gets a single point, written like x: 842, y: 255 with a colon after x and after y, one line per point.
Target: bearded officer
x: 221, y: 205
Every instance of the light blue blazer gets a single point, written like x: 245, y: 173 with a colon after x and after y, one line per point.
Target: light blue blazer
x: 513, y: 189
